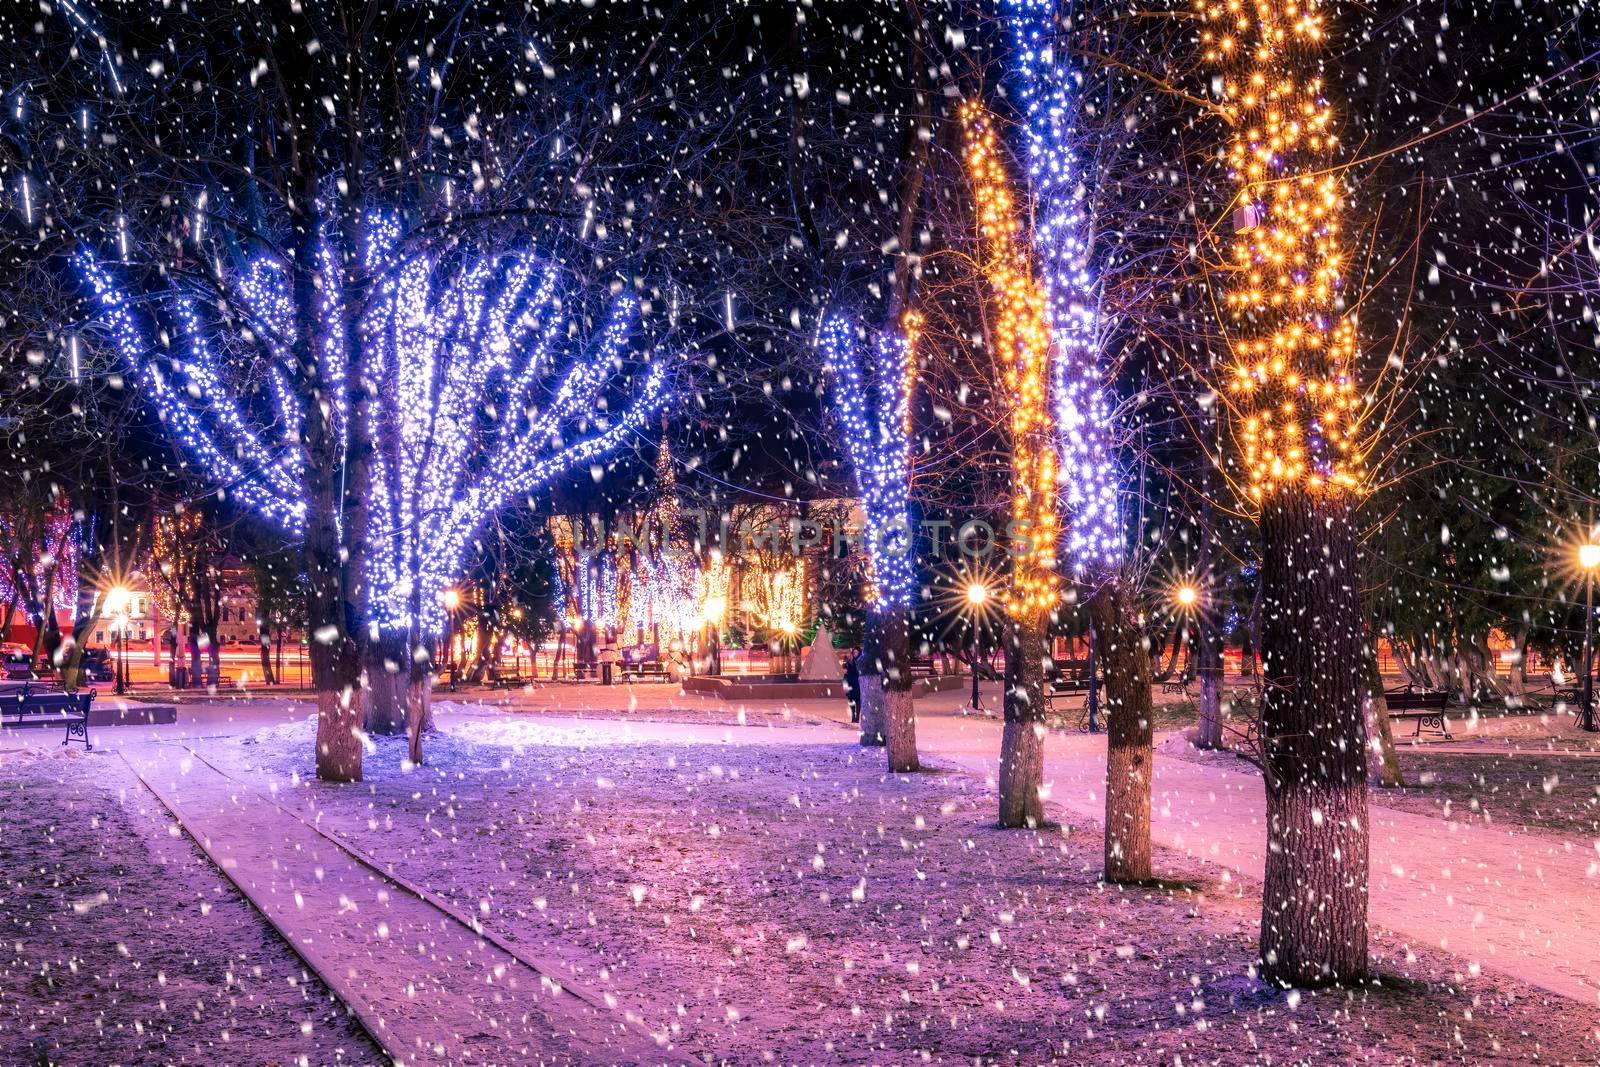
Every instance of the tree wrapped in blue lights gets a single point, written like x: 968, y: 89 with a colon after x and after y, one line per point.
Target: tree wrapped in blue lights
x: 875, y: 427
x: 1048, y: 88
x: 460, y: 349
x: 1094, y: 540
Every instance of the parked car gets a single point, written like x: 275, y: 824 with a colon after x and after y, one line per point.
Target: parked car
x: 98, y: 666
x: 17, y: 662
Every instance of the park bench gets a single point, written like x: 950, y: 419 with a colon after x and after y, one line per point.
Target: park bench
x: 1061, y: 688
x: 500, y: 678
x: 640, y: 662
x: 1176, y: 685
x: 1423, y: 706
x: 49, y: 708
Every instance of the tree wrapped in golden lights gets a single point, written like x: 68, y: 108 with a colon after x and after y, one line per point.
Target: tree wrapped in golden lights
x: 1295, y: 422
x: 1020, y: 325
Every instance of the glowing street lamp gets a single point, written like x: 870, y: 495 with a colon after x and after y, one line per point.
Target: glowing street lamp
x: 1187, y: 596
x: 1588, y: 559
x: 711, y: 616
x: 118, y: 598
x: 977, y: 599
x: 788, y: 631
x: 451, y: 599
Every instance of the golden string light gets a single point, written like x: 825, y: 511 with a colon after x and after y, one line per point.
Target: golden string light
x: 1292, y: 342
x: 1022, y: 332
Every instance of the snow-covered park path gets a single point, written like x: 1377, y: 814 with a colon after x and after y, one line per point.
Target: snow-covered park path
x: 426, y: 983
x: 1526, y: 904
x: 1521, y: 903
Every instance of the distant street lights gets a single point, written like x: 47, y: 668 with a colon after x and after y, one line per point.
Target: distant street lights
x: 1588, y: 559
x: 977, y: 598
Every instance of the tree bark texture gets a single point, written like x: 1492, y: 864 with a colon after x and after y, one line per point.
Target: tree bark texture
x: 874, y: 725
x: 333, y: 618
x: 1210, y: 732
x: 1022, y: 736
x: 1125, y: 663
x: 874, y: 718
x: 387, y: 670
x: 899, y: 710
x: 1208, y: 636
x: 268, y: 675
x: 1385, y: 767
x: 1313, y: 734
x: 419, y: 708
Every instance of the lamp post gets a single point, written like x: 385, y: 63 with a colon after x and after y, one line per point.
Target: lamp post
x: 122, y: 654
x: 977, y: 597
x: 452, y: 601
x: 1185, y: 597
x: 117, y: 598
x: 787, y: 632
x: 1092, y: 698
x: 712, y: 617
x: 1588, y: 559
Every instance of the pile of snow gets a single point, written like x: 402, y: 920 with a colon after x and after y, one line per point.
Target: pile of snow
x: 295, y: 732
x: 35, y: 753
x: 518, y: 733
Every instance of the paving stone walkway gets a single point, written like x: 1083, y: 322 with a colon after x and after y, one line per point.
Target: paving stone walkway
x: 427, y: 983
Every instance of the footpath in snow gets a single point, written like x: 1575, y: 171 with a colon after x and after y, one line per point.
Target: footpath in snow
x: 1484, y: 893
x: 424, y: 981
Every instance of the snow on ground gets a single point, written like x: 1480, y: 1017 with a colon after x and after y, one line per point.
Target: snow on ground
x: 1530, y: 788
x: 791, y: 900
x: 119, y: 943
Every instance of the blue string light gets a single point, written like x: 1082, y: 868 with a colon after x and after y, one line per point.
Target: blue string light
x: 456, y: 351
x: 1088, y: 472
x: 876, y: 429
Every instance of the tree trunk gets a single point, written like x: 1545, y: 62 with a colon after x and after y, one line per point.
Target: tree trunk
x: 336, y: 458
x: 268, y: 675
x: 1164, y: 673
x: 1208, y: 623
x: 85, y: 614
x: 335, y: 669
x: 1250, y: 665
x: 899, y: 711
x: 388, y: 673
x: 1210, y: 731
x: 1384, y: 771
x: 419, y: 704
x: 1022, y: 736
x: 1517, y: 677
x: 1313, y: 731
x: 1125, y: 665
x: 47, y: 619
x: 213, y: 657
x: 874, y: 723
